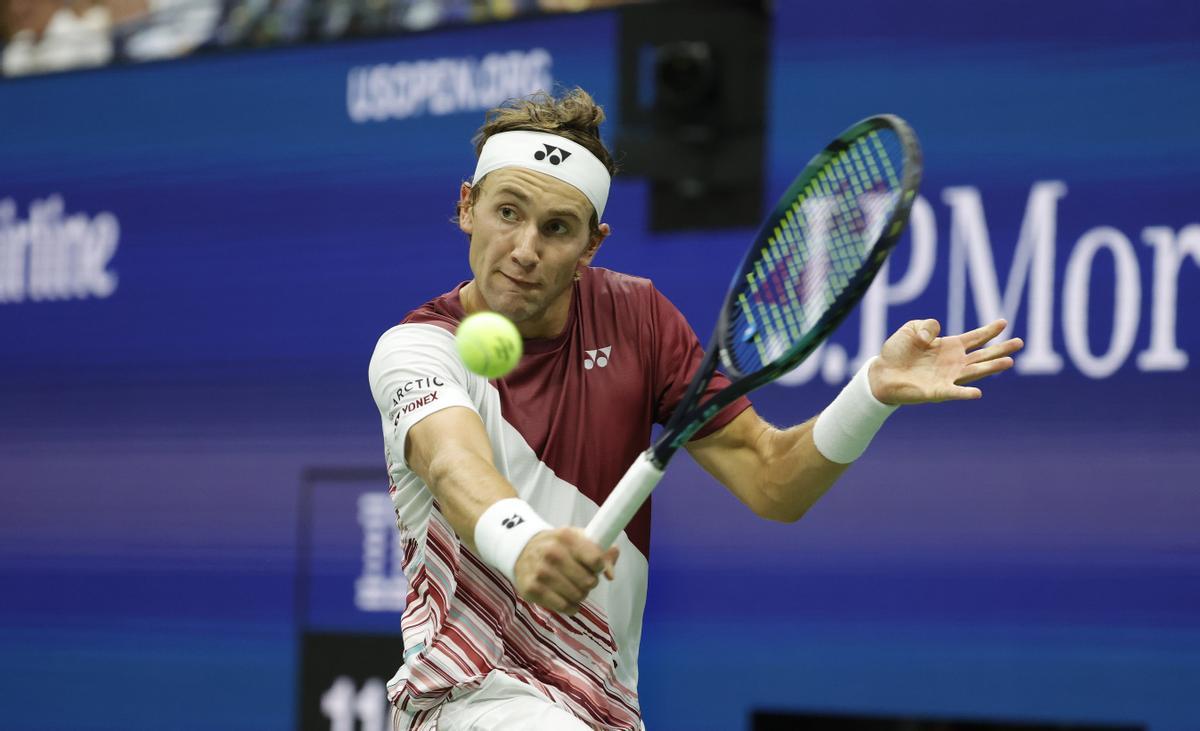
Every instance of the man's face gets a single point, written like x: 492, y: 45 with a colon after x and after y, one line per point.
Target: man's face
x: 529, y: 233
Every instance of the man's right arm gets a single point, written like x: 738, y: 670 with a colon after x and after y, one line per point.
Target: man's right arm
x: 450, y: 451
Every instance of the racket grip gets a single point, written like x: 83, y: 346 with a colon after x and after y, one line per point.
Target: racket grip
x: 624, y: 501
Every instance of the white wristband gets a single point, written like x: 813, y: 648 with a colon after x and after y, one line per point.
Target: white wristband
x: 846, y: 426
x: 503, y: 531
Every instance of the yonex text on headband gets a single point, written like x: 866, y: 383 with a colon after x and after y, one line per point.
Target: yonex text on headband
x: 550, y: 154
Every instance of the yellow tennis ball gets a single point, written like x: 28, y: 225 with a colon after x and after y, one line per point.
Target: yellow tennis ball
x: 489, y: 344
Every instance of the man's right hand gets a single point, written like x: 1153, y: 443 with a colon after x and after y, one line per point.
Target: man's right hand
x: 558, y: 569
x: 449, y: 450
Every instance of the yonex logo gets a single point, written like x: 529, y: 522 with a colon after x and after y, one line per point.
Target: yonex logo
x: 513, y: 522
x: 596, y: 358
x: 555, y: 154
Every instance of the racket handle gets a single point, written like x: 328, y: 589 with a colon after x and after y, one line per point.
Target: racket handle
x: 624, y: 501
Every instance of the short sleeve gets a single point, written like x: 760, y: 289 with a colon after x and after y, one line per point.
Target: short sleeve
x: 678, y: 354
x: 415, y: 371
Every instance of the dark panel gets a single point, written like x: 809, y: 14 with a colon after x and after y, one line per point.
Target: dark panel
x: 693, y: 110
x: 780, y: 721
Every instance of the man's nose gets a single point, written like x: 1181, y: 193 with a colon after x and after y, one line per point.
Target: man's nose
x: 524, y: 250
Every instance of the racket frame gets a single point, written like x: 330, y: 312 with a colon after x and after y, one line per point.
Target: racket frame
x: 647, y: 469
x: 689, y: 417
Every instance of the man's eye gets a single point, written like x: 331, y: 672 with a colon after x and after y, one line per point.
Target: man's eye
x: 559, y: 228
x: 508, y: 213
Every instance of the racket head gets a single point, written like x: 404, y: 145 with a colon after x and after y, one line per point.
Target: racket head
x: 818, y: 251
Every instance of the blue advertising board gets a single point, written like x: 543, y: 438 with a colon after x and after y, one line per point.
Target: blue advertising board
x: 197, y: 257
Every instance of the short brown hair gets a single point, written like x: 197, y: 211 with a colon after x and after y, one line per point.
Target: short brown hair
x: 574, y: 115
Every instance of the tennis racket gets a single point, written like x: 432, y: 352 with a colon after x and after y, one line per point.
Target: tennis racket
x: 811, y: 262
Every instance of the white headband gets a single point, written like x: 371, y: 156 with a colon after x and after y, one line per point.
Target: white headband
x: 550, y: 154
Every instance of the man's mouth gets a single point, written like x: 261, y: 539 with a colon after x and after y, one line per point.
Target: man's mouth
x: 520, y: 282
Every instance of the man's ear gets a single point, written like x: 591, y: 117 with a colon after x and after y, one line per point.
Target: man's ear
x: 466, y: 220
x: 594, y: 244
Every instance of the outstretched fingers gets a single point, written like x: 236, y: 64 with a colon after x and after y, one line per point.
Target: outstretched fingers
x: 980, y: 335
x: 961, y: 393
x: 999, y: 350
x: 987, y: 368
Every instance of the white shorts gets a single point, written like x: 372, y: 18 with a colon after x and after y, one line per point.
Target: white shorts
x: 500, y: 703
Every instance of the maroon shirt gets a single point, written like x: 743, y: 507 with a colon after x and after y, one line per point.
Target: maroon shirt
x: 586, y: 400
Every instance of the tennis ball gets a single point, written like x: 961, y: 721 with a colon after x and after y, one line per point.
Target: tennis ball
x: 489, y: 344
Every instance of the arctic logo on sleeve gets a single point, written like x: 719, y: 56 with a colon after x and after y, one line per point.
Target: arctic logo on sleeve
x: 423, y: 401
x: 416, y: 384
x: 409, y: 390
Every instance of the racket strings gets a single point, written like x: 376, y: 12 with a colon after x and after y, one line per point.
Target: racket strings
x: 820, y: 241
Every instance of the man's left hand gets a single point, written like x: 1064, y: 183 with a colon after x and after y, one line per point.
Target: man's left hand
x: 916, y: 366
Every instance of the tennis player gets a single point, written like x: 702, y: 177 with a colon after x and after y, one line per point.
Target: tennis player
x: 515, y: 620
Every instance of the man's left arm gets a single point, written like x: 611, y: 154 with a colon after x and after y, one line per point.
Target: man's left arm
x: 777, y: 473
x: 781, y: 473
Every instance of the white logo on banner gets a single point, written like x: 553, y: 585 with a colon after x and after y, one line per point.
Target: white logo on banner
x: 381, y: 586
x: 53, y: 256
x: 443, y: 86
x: 347, y: 706
x: 1027, y: 300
